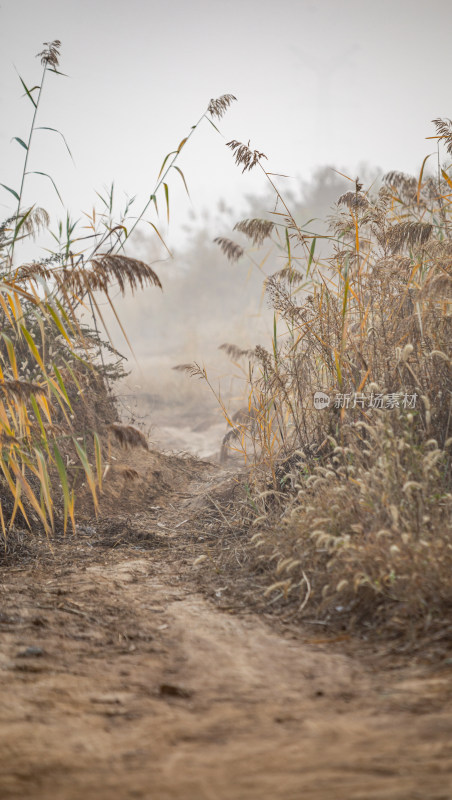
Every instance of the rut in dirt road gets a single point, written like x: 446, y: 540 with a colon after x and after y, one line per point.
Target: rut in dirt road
x: 121, y: 679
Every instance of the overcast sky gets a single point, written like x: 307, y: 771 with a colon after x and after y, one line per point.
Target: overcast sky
x: 323, y: 82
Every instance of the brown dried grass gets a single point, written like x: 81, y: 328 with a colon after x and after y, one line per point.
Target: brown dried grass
x: 352, y: 507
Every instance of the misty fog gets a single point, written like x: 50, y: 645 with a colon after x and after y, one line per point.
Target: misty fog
x: 206, y: 301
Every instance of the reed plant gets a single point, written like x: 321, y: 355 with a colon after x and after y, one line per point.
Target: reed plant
x: 346, y: 429
x: 56, y: 406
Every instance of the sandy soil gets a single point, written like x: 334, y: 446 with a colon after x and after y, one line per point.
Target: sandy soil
x: 124, y: 675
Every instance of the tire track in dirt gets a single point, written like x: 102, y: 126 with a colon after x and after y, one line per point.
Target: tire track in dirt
x: 119, y: 679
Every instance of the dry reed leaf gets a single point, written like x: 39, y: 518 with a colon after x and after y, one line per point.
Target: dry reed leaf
x: 51, y: 54
x: 129, y: 474
x: 408, y: 234
x: 22, y: 390
x: 28, y: 272
x: 244, y: 155
x: 256, y: 229
x: 34, y: 220
x: 103, y: 271
x: 232, y: 250
x: 194, y: 370
x: 444, y: 130
x: 234, y: 352
x: 129, y: 436
x: 354, y: 200
x: 290, y: 274
x: 217, y: 108
x: 402, y: 182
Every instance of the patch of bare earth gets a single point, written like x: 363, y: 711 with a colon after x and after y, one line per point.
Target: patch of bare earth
x: 127, y: 674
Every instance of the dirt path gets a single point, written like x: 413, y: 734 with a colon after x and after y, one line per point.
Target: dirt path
x: 121, y: 679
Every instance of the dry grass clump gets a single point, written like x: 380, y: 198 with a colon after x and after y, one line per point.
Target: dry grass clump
x: 365, y: 531
x: 353, y: 499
